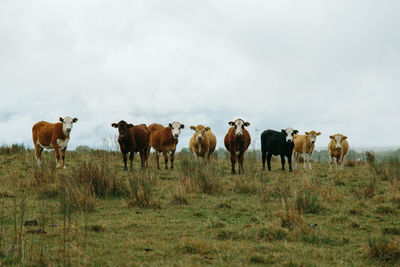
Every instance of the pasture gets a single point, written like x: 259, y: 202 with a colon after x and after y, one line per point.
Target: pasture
x: 94, y: 213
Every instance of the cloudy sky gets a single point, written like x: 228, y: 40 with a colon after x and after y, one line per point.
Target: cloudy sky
x: 332, y: 66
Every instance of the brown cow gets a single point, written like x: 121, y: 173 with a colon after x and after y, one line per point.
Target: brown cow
x: 203, y: 142
x: 304, y: 145
x: 237, y: 140
x: 337, y: 148
x: 52, y: 136
x: 133, y: 139
x: 164, y: 139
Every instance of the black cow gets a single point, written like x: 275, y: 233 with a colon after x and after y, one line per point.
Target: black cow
x: 277, y: 143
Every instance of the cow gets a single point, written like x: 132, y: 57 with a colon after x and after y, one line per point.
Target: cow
x: 236, y: 141
x: 52, y: 136
x: 132, y: 139
x: 304, y: 145
x: 203, y: 142
x: 337, y: 148
x: 164, y: 139
x: 277, y: 143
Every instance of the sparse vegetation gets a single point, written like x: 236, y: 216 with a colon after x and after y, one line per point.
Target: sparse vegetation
x: 196, y: 214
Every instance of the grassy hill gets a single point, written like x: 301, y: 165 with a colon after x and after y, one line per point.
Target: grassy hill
x: 94, y: 213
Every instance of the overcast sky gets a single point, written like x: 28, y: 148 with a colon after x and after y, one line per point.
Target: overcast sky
x: 331, y: 66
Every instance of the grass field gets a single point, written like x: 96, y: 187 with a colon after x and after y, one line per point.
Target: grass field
x: 94, y: 213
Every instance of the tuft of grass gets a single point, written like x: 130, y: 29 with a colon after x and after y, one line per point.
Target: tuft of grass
x: 390, y: 231
x: 141, y: 192
x: 307, y: 202
x: 383, y: 249
x: 262, y: 259
x: 13, y: 149
x: 76, y: 197
x: 385, y: 210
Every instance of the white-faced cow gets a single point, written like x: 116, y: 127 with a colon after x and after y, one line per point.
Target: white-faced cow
x: 52, y: 136
x: 236, y: 141
x: 277, y: 143
x: 132, y: 139
x: 304, y: 145
x: 337, y: 148
x: 203, y: 142
x: 164, y: 139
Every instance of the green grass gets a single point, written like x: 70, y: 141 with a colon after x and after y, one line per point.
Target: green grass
x: 96, y: 214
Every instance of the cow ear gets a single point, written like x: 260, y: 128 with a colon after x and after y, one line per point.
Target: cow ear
x: 307, y: 133
x: 231, y: 123
x: 75, y: 120
x: 130, y: 125
x: 247, y: 124
x: 114, y: 125
x: 61, y: 119
x: 207, y: 128
x: 170, y: 125
x: 331, y: 137
x: 193, y: 128
x: 182, y: 126
x: 318, y: 133
x: 344, y: 137
x: 283, y: 131
x: 295, y: 132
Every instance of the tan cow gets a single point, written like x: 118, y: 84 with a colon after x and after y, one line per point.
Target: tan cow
x: 52, y: 136
x: 304, y: 145
x: 164, y: 139
x: 337, y: 148
x: 203, y: 142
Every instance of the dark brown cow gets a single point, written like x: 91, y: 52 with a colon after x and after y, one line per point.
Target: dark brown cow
x: 237, y: 140
x: 52, y: 136
x: 164, y: 139
x: 133, y: 139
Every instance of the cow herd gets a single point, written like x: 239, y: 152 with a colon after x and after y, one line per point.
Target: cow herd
x: 140, y: 138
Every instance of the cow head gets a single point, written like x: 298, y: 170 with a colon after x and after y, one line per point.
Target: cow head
x: 313, y: 136
x: 200, y: 132
x: 176, y: 129
x: 289, y: 133
x: 67, y: 124
x: 123, y: 127
x: 239, y: 125
x: 337, y: 140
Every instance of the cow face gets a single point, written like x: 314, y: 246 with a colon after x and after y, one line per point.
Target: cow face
x: 289, y: 133
x: 338, y: 140
x: 176, y: 129
x: 123, y: 127
x: 200, y: 132
x: 239, y: 125
x: 67, y: 124
x: 313, y: 136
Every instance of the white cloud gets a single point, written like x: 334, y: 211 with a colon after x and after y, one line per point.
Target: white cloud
x: 329, y: 66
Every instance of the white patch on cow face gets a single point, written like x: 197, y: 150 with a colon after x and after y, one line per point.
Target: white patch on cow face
x: 338, y: 142
x: 289, y: 135
x: 239, y: 125
x: 67, y: 125
x: 176, y: 129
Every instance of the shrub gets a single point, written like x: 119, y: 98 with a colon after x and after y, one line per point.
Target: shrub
x: 141, y: 193
x: 307, y: 202
x: 76, y: 197
x: 383, y: 249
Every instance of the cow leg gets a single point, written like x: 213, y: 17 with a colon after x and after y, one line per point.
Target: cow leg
x: 330, y: 161
x: 131, y: 156
x: 304, y: 160
x: 309, y: 161
x: 142, y: 154
x: 240, y: 158
x: 38, y: 153
x: 157, y: 159
x: 289, y: 160
x: 263, y: 156
x: 63, y: 157
x: 57, y: 152
x: 269, y: 156
x: 283, y: 162
x: 172, y: 156
x: 165, y: 154
x: 341, y: 162
x: 295, y: 157
x: 233, y: 161
x: 124, y: 157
